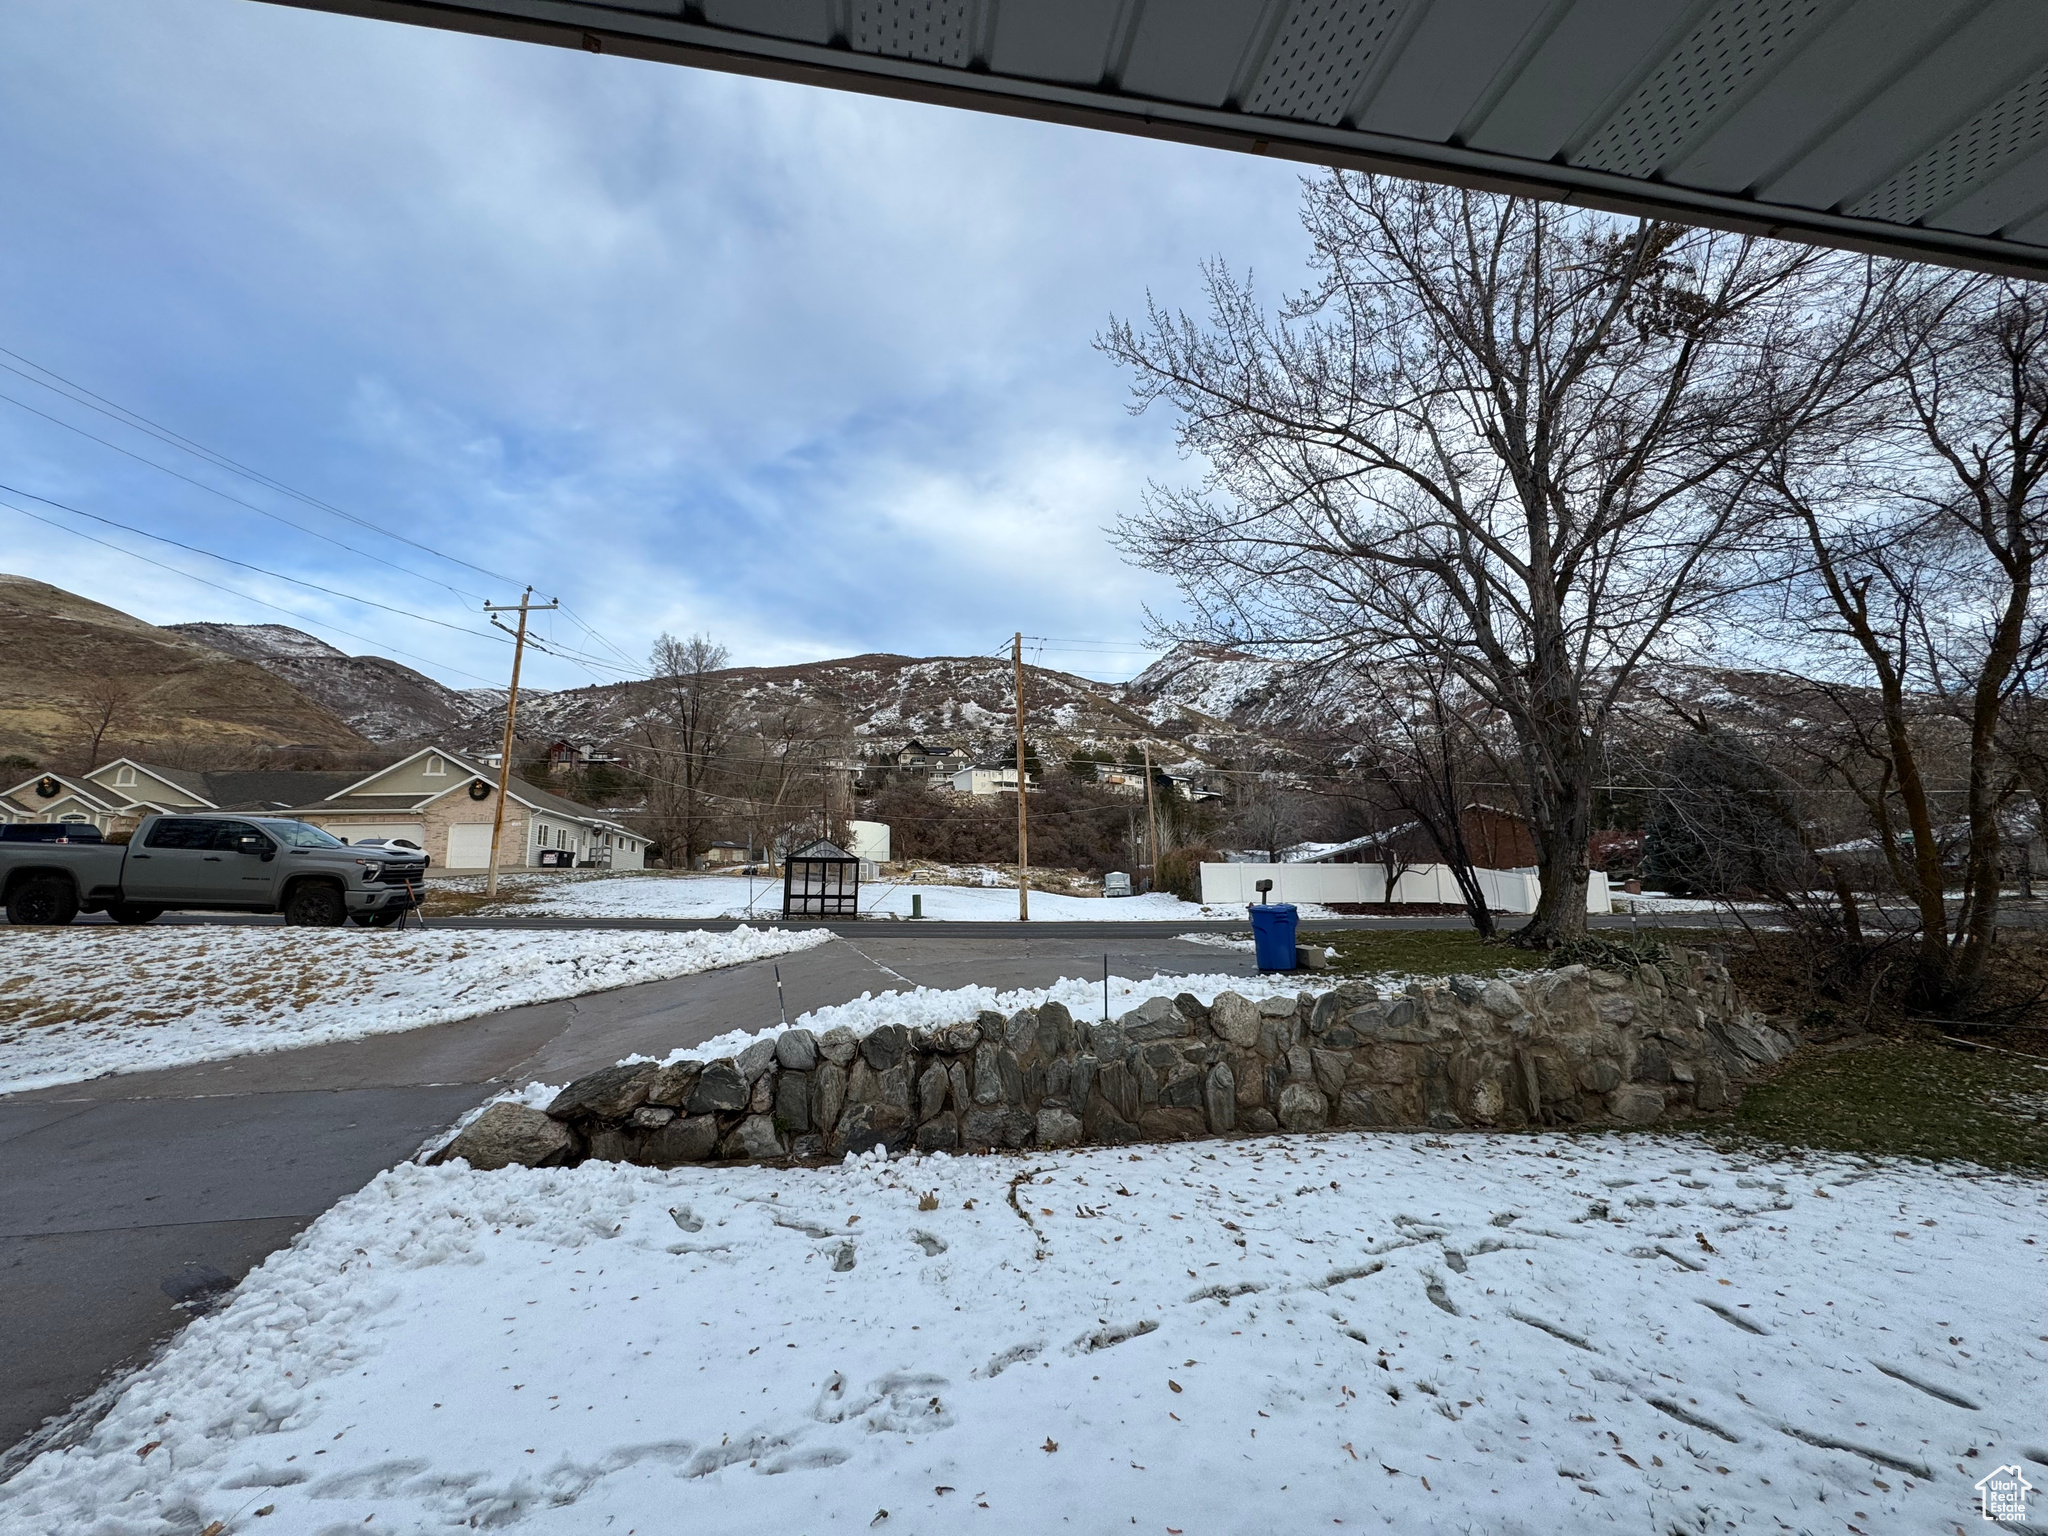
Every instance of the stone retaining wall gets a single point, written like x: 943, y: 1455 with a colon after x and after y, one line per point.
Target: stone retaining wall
x: 1564, y: 1047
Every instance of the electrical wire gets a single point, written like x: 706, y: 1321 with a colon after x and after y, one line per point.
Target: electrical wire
x: 137, y: 420
x: 238, y: 501
x: 332, y: 628
x: 113, y: 410
x: 296, y: 581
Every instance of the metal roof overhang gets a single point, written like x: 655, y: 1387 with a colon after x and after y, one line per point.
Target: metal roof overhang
x: 1914, y: 128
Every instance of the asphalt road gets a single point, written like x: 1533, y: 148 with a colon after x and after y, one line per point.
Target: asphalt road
x: 127, y: 1201
x: 957, y: 930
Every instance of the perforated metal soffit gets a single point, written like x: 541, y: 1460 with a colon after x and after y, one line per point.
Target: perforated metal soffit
x: 1911, y: 127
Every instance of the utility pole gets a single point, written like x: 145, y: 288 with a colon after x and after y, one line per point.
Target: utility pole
x: 526, y: 605
x: 1023, y: 843
x: 1151, y: 827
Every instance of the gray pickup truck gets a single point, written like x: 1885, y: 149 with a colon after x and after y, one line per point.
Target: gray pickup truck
x: 214, y: 863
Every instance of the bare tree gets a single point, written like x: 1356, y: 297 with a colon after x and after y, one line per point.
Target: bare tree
x: 1497, y: 436
x: 1922, y: 547
x: 683, y: 737
x: 1268, y: 816
x: 785, y: 760
x: 1417, y: 742
x: 101, y: 702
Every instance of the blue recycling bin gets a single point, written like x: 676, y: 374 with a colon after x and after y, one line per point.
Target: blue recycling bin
x: 1273, y: 936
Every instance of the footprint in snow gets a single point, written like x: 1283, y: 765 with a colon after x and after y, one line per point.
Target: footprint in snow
x: 1016, y: 1354
x: 682, y: 1217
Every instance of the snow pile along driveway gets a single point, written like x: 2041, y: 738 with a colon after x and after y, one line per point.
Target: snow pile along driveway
x: 937, y: 1007
x: 709, y: 897
x: 1510, y: 1334
x: 79, y: 1002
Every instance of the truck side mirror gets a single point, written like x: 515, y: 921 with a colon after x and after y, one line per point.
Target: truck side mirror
x: 252, y: 842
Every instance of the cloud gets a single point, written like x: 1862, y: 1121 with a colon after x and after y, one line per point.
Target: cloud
x: 809, y: 370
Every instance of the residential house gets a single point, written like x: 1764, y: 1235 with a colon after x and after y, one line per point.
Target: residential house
x: 921, y: 761
x: 432, y: 798
x: 564, y: 755
x: 1131, y: 781
x: 988, y: 779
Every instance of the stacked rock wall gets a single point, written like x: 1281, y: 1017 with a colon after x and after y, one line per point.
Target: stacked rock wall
x: 1564, y: 1047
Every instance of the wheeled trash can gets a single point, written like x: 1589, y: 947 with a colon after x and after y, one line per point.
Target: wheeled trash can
x: 1273, y: 929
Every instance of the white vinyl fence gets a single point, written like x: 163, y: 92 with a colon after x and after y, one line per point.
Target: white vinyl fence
x: 1507, y: 890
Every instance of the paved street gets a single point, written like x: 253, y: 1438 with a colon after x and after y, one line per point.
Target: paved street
x: 932, y: 929
x: 121, y: 1196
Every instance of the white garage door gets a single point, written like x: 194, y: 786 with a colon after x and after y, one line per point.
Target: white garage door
x: 411, y: 831
x: 469, y: 845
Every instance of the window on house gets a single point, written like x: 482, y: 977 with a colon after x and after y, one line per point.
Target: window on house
x: 436, y: 766
x: 124, y: 777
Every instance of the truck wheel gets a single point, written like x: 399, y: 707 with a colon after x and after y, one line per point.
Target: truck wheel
x: 44, y: 900
x: 132, y: 913
x: 315, y: 905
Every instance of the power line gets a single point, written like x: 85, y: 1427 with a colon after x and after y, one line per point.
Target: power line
x: 231, y: 591
x: 238, y: 501
x: 79, y: 394
x: 312, y: 586
x: 143, y: 423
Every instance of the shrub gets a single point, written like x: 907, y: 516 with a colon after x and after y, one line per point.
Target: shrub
x: 1180, y: 871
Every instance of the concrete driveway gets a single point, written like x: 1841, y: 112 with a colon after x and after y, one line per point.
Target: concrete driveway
x: 131, y: 1202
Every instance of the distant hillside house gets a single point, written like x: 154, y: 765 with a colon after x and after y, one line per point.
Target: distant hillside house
x: 1131, y: 781
x: 432, y: 798
x: 928, y: 762
x: 989, y: 779
x: 572, y: 754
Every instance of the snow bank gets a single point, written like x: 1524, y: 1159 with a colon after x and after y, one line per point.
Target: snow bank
x: 80, y: 1002
x: 1509, y: 1334
x: 934, y: 1008
x: 717, y: 896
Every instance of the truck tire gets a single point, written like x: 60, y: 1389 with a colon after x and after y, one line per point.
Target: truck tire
x: 131, y: 914
x: 315, y: 904
x: 42, y: 899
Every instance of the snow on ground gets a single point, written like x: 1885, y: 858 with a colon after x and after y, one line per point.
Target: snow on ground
x: 79, y: 1002
x: 1656, y: 902
x: 715, y: 896
x: 1526, y: 1334
x: 1085, y: 997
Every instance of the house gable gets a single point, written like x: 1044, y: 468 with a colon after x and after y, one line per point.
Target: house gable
x: 427, y: 774
x: 26, y: 799
x: 125, y: 780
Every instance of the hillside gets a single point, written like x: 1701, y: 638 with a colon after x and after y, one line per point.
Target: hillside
x: 887, y: 700
x: 378, y: 698
x: 169, y: 694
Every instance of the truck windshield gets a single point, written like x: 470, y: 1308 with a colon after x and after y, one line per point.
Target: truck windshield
x: 298, y: 835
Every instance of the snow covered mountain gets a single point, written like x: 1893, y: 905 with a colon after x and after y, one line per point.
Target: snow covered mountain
x: 380, y: 699
x: 886, y: 700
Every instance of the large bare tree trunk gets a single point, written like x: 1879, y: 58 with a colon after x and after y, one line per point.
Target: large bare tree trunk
x: 1922, y: 538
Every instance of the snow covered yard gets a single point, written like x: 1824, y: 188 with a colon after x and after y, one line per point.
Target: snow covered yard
x: 716, y: 896
x: 1527, y: 1334
x: 79, y: 1002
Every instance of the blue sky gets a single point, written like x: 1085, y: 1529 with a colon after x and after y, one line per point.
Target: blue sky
x: 807, y: 371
